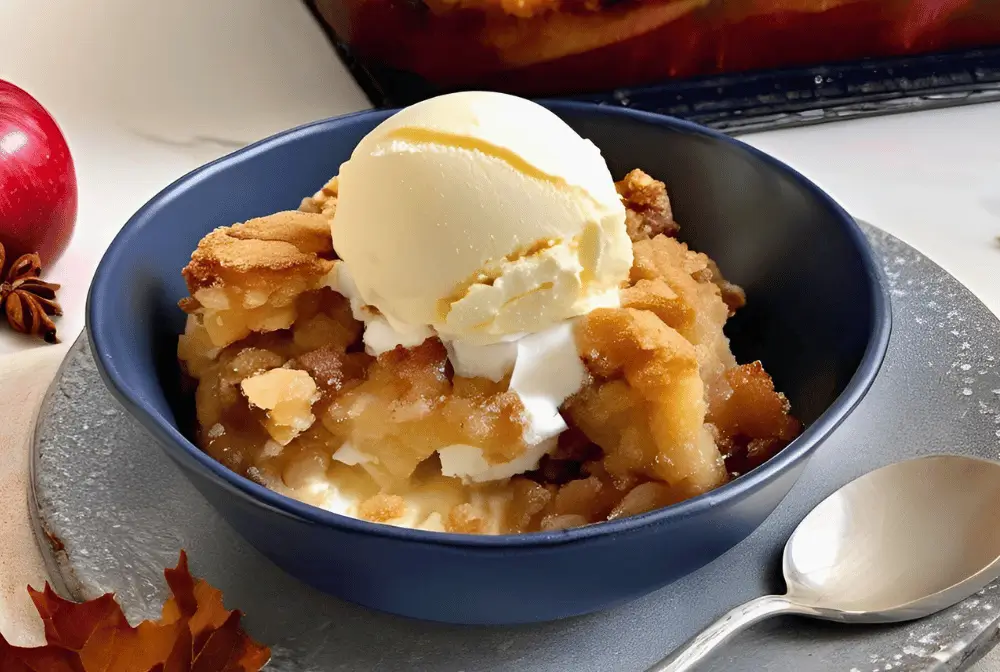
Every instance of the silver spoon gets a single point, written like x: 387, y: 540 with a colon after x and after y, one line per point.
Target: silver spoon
x: 897, y: 544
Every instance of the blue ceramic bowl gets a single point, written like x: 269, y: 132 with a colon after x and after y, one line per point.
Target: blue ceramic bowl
x: 818, y: 316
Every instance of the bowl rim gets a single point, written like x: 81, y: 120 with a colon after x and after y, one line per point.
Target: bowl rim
x: 180, y: 449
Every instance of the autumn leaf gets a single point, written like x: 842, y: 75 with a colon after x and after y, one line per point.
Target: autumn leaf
x: 195, y: 633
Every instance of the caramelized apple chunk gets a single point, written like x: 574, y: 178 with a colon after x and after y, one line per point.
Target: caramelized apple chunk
x: 287, y: 395
x: 408, y: 407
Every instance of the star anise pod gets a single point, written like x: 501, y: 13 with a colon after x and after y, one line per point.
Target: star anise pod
x: 28, y: 301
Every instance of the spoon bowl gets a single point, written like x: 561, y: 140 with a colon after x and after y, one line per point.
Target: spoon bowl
x: 899, y: 543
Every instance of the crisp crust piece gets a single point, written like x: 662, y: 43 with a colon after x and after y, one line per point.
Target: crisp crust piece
x: 732, y: 295
x: 324, y: 201
x: 652, y: 427
x: 647, y: 206
x: 382, y: 508
x: 307, y: 232
x: 656, y: 296
x: 666, y: 257
x: 285, y: 242
x: 248, y: 277
x: 674, y: 283
x: 648, y: 214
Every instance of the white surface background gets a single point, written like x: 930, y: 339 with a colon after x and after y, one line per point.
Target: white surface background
x: 148, y: 91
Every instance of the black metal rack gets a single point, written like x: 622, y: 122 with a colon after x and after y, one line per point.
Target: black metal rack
x: 756, y: 101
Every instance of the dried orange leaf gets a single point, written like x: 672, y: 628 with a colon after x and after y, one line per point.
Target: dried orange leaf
x: 196, y: 633
x: 70, y: 625
x: 192, y: 599
x: 180, y: 657
x: 40, y: 659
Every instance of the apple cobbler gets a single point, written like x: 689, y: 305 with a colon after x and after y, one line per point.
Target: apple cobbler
x: 287, y: 396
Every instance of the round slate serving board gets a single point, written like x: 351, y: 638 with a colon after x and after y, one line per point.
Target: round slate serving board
x: 113, y: 511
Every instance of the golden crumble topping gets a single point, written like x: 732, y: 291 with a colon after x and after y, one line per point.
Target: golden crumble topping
x: 292, y: 242
x: 247, y: 277
x: 324, y: 201
x: 287, y: 396
x: 647, y: 208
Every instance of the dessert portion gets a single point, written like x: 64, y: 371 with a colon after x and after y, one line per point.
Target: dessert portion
x: 473, y: 328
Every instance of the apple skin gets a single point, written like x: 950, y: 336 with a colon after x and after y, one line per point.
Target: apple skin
x: 38, y: 190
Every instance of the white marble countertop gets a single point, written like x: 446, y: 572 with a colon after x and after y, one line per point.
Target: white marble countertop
x: 148, y: 91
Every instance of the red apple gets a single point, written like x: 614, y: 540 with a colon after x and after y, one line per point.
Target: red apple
x: 37, y: 180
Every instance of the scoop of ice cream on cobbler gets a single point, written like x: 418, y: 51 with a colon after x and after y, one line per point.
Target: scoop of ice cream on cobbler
x: 473, y: 328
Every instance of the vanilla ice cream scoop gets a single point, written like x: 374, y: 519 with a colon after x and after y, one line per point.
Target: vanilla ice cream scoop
x: 483, y: 216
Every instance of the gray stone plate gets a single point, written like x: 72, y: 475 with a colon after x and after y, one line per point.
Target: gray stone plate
x: 113, y: 511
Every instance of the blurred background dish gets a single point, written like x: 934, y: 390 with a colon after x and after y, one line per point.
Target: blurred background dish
x: 742, y: 65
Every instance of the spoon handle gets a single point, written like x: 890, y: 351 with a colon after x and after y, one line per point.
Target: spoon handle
x: 699, y: 647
